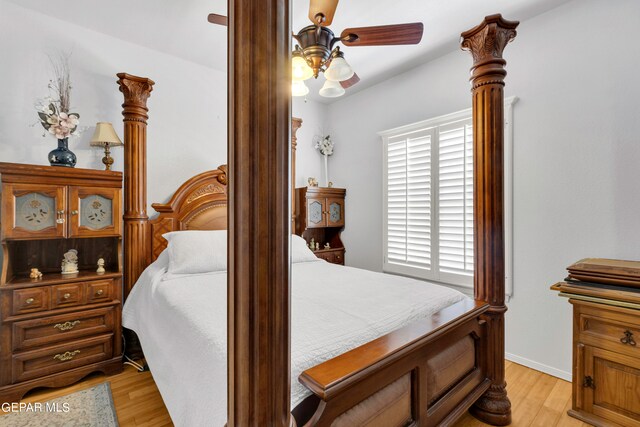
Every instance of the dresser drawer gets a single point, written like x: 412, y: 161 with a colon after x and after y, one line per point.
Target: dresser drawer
x: 615, y: 329
x: 67, y: 295
x: 29, y: 334
x: 30, y: 300
x: 38, y: 363
x: 100, y: 291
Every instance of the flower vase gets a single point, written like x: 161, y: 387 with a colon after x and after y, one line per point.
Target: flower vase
x: 326, y: 171
x: 62, y: 156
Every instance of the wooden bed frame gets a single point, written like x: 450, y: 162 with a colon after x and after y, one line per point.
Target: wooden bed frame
x: 427, y: 373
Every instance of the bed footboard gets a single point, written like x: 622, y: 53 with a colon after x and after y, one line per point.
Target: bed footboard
x: 427, y: 373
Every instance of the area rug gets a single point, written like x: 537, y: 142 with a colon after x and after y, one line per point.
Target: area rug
x: 92, y: 407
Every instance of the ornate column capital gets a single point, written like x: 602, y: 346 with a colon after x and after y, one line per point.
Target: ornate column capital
x: 486, y: 42
x: 136, y: 91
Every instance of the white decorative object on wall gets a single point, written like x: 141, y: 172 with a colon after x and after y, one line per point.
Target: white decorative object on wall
x: 325, y: 146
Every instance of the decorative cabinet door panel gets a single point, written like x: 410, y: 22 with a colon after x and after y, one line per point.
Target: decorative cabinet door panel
x: 611, y: 384
x: 34, y: 211
x: 94, y: 211
x: 316, y: 213
x: 335, y: 212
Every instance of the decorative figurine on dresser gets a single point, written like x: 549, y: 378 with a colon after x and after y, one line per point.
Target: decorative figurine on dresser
x: 605, y: 295
x: 58, y: 323
x: 319, y: 219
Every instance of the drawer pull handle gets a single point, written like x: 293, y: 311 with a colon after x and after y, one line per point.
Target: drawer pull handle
x: 60, y: 217
x: 66, y: 326
x: 99, y: 292
x: 29, y: 301
x: 74, y: 212
x: 628, y: 338
x: 66, y: 296
x: 67, y: 355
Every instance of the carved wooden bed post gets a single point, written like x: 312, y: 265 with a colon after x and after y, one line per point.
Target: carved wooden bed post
x: 296, y: 123
x: 136, y: 91
x: 486, y: 43
x: 258, y: 266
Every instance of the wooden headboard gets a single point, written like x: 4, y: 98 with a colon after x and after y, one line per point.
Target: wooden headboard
x: 199, y: 204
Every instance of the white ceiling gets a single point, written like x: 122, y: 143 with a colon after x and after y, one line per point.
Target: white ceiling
x: 180, y: 27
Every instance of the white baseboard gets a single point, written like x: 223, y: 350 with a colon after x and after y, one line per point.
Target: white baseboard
x: 538, y: 366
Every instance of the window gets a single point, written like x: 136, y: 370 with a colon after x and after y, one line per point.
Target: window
x: 428, y: 199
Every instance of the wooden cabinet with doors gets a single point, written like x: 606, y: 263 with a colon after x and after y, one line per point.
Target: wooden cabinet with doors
x: 606, y: 353
x: 320, y: 216
x: 57, y: 329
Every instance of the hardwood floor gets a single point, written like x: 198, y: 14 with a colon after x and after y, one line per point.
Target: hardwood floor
x: 537, y: 399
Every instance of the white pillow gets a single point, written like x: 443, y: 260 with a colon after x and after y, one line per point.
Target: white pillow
x: 197, y: 251
x: 204, y: 251
x: 300, y: 252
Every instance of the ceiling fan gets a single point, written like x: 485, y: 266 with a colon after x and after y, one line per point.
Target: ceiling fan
x: 316, y: 52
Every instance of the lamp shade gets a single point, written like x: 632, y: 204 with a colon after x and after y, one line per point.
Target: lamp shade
x: 300, y: 70
x: 298, y: 88
x: 331, y: 89
x: 105, y: 135
x: 338, y: 70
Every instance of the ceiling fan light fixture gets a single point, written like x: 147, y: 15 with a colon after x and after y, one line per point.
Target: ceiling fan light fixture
x: 338, y: 70
x: 331, y: 89
x: 298, y: 88
x: 300, y: 70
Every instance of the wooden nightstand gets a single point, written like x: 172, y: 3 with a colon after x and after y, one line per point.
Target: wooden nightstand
x: 606, y: 353
x: 57, y: 329
x: 320, y: 216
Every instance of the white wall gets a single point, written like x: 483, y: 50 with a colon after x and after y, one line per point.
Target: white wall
x: 188, y: 106
x: 576, y: 157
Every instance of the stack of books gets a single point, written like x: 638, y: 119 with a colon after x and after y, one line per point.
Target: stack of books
x: 605, y: 271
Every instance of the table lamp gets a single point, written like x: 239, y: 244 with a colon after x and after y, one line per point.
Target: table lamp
x: 105, y: 136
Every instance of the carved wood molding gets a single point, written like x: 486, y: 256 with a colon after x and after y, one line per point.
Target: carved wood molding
x: 136, y: 91
x: 486, y: 42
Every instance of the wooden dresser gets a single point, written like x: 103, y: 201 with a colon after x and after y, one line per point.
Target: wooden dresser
x: 606, y: 353
x: 320, y: 216
x: 59, y: 328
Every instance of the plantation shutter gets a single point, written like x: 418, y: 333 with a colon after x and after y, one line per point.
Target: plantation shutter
x: 455, y: 198
x: 408, y: 181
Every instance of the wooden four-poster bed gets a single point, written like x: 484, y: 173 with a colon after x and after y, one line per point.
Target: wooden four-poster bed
x: 449, y: 362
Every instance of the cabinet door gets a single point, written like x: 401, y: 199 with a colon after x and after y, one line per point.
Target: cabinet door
x: 316, y: 213
x: 611, y: 386
x: 94, y: 211
x: 31, y: 211
x: 335, y: 212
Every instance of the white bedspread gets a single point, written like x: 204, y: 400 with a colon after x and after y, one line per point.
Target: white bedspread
x: 181, y: 323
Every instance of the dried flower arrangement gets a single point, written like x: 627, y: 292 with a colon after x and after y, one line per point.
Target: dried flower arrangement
x: 54, y: 111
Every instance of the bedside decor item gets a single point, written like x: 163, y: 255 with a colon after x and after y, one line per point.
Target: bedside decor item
x: 55, y: 116
x: 70, y: 262
x: 35, y: 274
x: 105, y: 136
x: 330, y: 185
x: 325, y: 146
x: 100, y: 269
x: 312, y: 182
x: 327, y: 245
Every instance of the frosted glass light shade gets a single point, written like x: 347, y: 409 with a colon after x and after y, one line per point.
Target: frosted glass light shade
x: 298, y: 88
x: 331, y: 89
x: 338, y: 70
x: 300, y: 70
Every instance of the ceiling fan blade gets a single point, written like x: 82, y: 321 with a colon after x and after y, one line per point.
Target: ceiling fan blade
x: 214, y: 18
x: 350, y: 81
x: 383, y: 35
x: 321, y: 11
